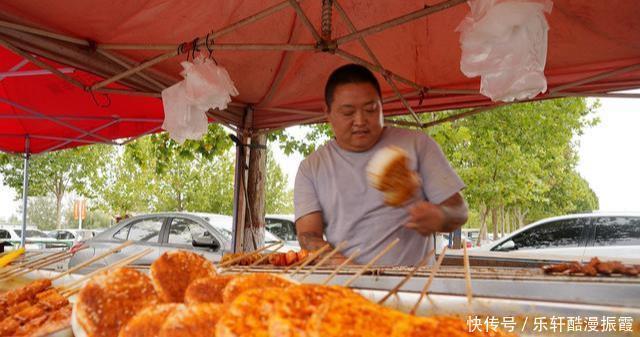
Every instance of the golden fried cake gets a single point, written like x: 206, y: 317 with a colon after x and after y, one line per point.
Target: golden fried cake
x: 198, y: 320
x: 207, y: 290
x: 248, y: 315
x: 298, y: 303
x: 109, y: 300
x: 148, y: 322
x: 172, y: 273
x: 242, y: 283
x: 388, y: 171
x: 351, y: 317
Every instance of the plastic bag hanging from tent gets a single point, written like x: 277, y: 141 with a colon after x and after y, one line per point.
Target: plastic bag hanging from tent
x: 205, y: 86
x: 505, y: 42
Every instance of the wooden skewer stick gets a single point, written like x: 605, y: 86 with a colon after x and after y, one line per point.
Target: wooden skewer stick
x: 424, y: 291
x: 28, y: 264
x: 375, y: 258
x: 320, y: 263
x: 36, y: 266
x: 467, y: 274
x: 335, y: 272
x: 242, y: 256
x: 395, y: 289
x: 94, y: 259
x: 310, y: 258
x: 120, y: 263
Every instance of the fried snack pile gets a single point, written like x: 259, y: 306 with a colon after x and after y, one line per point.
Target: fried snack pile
x: 126, y: 303
x: 593, y: 268
x: 33, y: 310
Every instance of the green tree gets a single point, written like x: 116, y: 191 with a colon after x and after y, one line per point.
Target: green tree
x: 56, y: 173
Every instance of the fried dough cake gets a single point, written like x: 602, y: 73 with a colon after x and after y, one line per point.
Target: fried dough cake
x: 173, y: 271
x: 248, y: 315
x: 351, y: 317
x: 109, y: 300
x: 291, y: 314
x: 148, y: 322
x: 198, y: 320
x: 207, y: 290
x: 240, y: 284
x: 389, y: 172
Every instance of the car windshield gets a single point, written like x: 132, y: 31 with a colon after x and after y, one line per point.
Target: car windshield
x: 32, y: 233
x: 224, y: 225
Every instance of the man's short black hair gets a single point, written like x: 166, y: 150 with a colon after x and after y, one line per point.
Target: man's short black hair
x: 350, y: 73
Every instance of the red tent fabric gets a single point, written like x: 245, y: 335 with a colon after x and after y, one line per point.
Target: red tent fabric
x: 586, y: 38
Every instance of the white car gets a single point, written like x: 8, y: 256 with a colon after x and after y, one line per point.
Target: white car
x: 284, y: 226
x: 578, y: 237
x: 35, y: 238
x: 72, y: 236
x: 205, y: 233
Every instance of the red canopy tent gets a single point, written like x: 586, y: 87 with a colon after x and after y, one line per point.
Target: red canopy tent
x: 279, y: 55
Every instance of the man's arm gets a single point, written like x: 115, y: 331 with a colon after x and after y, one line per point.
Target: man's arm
x: 427, y: 218
x: 310, y: 230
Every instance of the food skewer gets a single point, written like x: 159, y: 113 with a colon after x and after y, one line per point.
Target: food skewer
x: 335, y: 271
x: 467, y: 274
x: 44, y: 262
x: 375, y: 258
x: 261, y: 259
x: 309, y: 259
x: 336, y: 250
x: 92, y: 260
x: 420, y: 264
x: 434, y: 271
x: 27, y: 264
x: 242, y: 256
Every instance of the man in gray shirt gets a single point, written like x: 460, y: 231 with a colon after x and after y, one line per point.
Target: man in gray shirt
x: 334, y: 200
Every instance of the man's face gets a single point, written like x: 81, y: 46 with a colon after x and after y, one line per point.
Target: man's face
x: 355, y: 116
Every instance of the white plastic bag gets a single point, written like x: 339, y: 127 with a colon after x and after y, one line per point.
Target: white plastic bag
x: 205, y: 86
x: 505, y: 42
x: 181, y: 119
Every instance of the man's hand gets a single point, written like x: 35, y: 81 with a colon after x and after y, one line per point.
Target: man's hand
x: 427, y: 218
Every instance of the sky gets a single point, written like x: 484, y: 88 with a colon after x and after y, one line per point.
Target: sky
x: 609, y: 158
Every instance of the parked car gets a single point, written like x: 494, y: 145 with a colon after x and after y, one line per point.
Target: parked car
x: 284, y: 226
x: 10, y: 236
x: 578, y: 236
x: 205, y: 233
x: 71, y: 236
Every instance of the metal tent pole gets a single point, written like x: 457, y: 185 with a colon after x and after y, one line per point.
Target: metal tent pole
x: 25, y: 191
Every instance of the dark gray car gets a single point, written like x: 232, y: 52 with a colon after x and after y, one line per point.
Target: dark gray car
x: 205, y: 233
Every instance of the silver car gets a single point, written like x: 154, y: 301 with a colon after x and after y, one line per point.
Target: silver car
x: 208, y: 234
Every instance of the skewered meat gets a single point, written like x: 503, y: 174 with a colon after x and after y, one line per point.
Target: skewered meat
x: 8, y: 326
x: 291, y: 314
x: 47, y: 324
x: 107, y: 302
x: 172, y: 273
x: 198, y: 320
x: 148, y: 322
x: 26, y: 293
x: 243, y: 283
x: 246, y: 260
x: 289, y: 258
x: 388, y: 171
x: 248, y: 315
x: 593, y: 268
x: 207, y: 290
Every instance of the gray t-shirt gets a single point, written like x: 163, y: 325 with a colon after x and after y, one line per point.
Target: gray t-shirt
x: 334, y: 181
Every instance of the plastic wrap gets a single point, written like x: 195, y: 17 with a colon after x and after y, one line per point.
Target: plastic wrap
x: 505, y: 42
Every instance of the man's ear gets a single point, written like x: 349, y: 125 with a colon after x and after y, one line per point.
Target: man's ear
x: 325, y: 109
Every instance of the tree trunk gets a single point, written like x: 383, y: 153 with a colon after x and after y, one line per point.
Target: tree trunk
x: 59, y: 194
x: 255, y: 211
x: 483, y: 224
x: 502, y: 221
x: 494, y: 222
